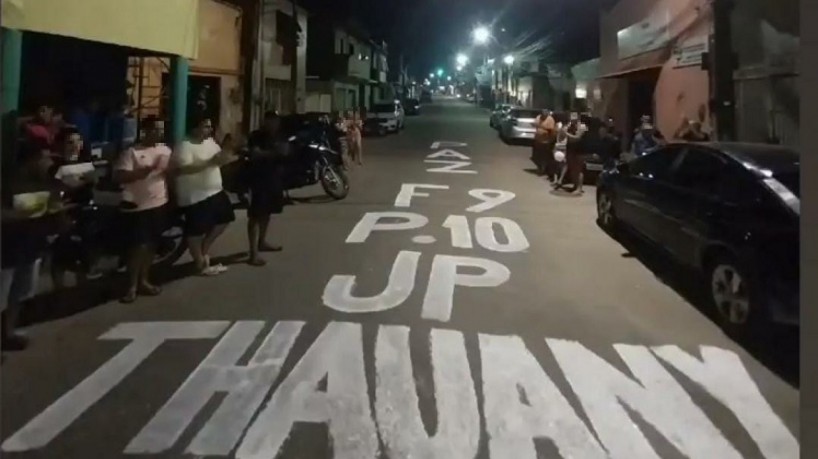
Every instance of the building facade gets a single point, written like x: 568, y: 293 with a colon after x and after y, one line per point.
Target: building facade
x: 215, y: 79
x: 655, y: 56
x: 339, y: 67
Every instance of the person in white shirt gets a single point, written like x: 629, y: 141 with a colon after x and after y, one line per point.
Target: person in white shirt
x: 197, y: 165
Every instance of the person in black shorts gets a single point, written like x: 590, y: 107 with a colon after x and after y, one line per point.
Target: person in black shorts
x: 196, y: 165
x: 268, y: 148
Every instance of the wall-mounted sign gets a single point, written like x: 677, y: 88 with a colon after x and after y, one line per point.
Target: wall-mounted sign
x: 689, y: 53
x: 646, y: 35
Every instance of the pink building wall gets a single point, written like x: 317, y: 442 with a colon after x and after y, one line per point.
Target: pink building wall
x: 679, y: 91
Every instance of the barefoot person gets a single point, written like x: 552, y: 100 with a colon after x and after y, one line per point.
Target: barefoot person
x: 267, y: 148
x: 141, y: 171
x: 196, y: 164
x: 354, y: 138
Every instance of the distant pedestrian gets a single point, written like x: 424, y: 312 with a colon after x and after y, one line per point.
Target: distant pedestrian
x: 645, y: 137
x: 199, y: 192
x: 142, y: 172
x: 575, y: 131
x: 268, y: 149
x: 545, y: 139
x: 341, y: 126
x: 557, y: 176
x: 354, y: 138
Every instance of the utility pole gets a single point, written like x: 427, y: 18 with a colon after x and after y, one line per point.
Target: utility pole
x: 721, y: 64
x: 294, y: 63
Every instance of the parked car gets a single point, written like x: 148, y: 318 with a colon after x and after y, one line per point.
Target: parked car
x: 390, y: 115
x: 412, y: 107
x: 426, y: 97
x: 730, y: 211
x: 498, y: 114
x: 519, y: 124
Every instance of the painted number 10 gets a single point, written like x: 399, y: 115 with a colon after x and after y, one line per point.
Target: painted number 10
x: 486, y: 233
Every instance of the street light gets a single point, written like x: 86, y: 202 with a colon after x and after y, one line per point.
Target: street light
x: 449, y: 78
x: 439, y: 72
x: 459, y: 68
x: 509, y: 60
x: 462, y: 59
x: 431, y: 75
x: 481, y: 35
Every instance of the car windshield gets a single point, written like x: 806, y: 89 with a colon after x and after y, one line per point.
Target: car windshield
x: 525, y: 113
x: 381, y: 108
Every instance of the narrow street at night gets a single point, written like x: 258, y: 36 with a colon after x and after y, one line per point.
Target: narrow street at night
x: 452, y: 306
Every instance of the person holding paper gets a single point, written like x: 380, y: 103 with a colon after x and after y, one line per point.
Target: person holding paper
x: 31, y: 211
x: 141, y: 171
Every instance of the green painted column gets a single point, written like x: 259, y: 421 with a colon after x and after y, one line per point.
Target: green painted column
x: 179, y: 71
x: 12, y: 61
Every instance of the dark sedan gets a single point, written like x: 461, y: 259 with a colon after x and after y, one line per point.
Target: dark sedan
x: 731, y: 211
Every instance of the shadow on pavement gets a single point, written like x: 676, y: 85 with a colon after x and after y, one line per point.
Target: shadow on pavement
x: 59, y: 304
x: 779, y: 351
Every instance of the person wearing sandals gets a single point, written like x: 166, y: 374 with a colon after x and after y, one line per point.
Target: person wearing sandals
x: 141, y: 170
x: 268, y: 148
x: 196, y: 165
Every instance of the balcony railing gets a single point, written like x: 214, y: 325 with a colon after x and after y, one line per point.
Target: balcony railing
x: 351, y: 67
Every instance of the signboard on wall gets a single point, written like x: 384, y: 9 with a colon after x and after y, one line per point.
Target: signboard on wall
x: 647, y: 35
x: 689, y: 53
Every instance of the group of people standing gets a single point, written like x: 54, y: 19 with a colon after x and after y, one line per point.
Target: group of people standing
x: 349, y: 129
x: 558, y: 149
x: 156, y: 181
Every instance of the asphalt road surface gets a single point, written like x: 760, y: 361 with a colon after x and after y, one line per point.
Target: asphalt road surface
x: 451, y: 307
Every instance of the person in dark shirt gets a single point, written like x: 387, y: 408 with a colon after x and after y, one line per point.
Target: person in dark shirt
x: 609, y: 145
x: 268, y: 146
x: 31, y: 210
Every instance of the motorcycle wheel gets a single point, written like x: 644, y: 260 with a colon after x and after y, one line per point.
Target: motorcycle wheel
x: 335, y: 182
x: 171, y: 246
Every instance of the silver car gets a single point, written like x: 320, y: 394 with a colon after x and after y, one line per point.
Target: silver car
x: 519, y: 124
x: 498, y: 115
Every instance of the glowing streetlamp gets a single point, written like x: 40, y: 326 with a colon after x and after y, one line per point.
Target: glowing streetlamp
x: 449, y: 78
x: 439, y: 73
x: 509, y: 60
x: 462, y: 59
x: 459, y: 68
x: 481, y: 35
x: 431, y: 75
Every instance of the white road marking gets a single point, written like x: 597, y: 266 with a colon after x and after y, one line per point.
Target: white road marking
x: 424, y: 239
x: 447, y: 144
x: 448, y: 153
x: 410, y: 190
x: 487, y: 238
x: 521, y: 403
x: 439, y: 299
x: 145, y: 338
x: 338, y: 291
x: 337, y: 355
x: 451, y: 167
x: 722, y: 375
x: 653, y: 393
x: 246, y: 388
x: 457, y: 433
x: 372, y: 221
x: 459, y: 228
x: 490, y: 199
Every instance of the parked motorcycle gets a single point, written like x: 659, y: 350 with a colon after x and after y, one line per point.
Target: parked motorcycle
x: 94, y: 235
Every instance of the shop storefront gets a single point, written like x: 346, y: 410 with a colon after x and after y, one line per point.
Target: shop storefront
x: 650, y: 63
x: 65, y: 53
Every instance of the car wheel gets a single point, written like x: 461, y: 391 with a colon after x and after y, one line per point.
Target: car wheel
x: 605, y: 212
x: 733, y: 293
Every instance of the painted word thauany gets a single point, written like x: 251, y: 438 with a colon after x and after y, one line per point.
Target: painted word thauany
x: 328, y: 385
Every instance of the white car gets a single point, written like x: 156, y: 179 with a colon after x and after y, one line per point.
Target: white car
x: 390, y: 115
x: 519, y: 124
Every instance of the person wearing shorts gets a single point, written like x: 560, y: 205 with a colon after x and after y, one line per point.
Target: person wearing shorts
x: 207, y: 208
x: 141, y: 171
x: 267, y: 151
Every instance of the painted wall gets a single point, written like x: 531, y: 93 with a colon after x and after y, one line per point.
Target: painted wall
x: 646, y: 32
x: 271, y: 52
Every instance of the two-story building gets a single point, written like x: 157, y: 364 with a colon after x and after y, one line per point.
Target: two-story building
x: 339, y: 67
x: 652, y: 55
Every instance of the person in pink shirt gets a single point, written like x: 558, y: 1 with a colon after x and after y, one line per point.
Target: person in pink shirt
x: 141, y: 171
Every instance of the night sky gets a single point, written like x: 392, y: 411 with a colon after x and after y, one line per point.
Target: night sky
x: 431, y: 32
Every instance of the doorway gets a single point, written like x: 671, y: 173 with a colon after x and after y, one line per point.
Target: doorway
x: 641, y: 101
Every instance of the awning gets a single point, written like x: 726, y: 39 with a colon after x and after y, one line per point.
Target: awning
x: 162, y: 26
x: 649, y: 62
